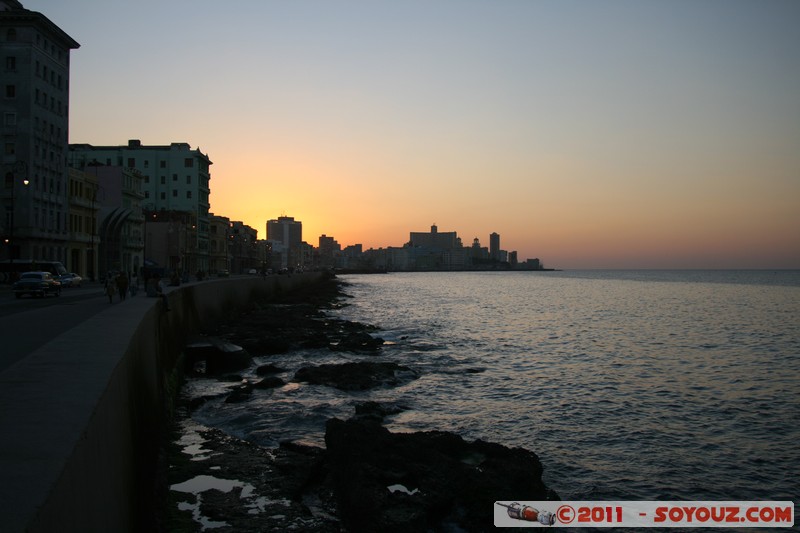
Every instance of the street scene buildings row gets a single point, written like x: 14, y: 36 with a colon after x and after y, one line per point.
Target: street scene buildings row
x: 101, y: 208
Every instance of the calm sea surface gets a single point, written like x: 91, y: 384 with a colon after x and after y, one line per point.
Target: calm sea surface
x: 637, y: 385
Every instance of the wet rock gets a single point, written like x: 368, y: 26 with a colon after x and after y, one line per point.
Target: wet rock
x: 240, y: 393
x: 279, y: 328
x: 270, y: 382
x: 314, y: 340
x: 361, y: 375
x: 387, y: 482
x: 215, y: 356
x: 264, y: 370
x: 274, y: 481
x: 298, y: 467
x: 266, y: 345
x: 377, y: 411
x: 358, y: 341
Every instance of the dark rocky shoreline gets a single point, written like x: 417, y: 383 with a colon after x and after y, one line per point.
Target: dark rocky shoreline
x: 365, y: 479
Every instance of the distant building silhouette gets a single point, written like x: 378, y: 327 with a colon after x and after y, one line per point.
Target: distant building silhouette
x: 243, y: 248
x: 435, y: 240
x: 286, y: 236
x: 494, y: 246
x: 328, y: 252
x: 219, y: 245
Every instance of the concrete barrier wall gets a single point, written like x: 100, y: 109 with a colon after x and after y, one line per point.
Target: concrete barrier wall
x: 108, y: 476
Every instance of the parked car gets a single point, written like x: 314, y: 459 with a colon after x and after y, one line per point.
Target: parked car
x: 223, y: 274
x: 37, y: 284
x: 70, y: 279
x: 252, y: 271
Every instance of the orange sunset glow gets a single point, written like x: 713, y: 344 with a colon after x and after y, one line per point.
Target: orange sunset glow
x: 589, y: 135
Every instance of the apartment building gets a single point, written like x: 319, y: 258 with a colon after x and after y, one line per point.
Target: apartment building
x: 175, y: 179
x: 34, y: 109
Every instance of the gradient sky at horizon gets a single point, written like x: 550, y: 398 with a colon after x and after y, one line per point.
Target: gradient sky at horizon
x: 612, y: 134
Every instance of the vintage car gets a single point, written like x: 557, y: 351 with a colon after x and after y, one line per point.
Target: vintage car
x: 36, y: 284
x: 71, y: 279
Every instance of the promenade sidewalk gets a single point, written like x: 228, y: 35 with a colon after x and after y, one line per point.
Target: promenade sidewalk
x: 48, y: 398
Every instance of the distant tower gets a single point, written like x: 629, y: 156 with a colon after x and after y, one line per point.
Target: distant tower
x: 285, y: 230
x: 494, y: 246
x: 286, y: 234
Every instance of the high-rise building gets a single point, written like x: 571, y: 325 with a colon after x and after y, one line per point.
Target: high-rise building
x: 35, y: 134
x: 285, y: 230
x: 494, y: 246
x: 176, y: 179
x: 286, y: 236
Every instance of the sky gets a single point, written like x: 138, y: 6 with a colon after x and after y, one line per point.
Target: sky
x: 588, y: 134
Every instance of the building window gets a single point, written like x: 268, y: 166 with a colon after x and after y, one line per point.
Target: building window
x: 11, y: 91
x: 147, y: 179
x: 188, y: 195
x: 188, y: 180
x: 163, y: 196
x: 162, y: 164
x: 10, y: 149
x: 132, y: 162
x: 10, y: 119
x: 163, y: 180
x: 188, y: 162
x: 11, y: 63
x: 174, y: 193
x: 11, y: 35
x: 174, y: 177
x: 146, y: 163
x: 147, y: 194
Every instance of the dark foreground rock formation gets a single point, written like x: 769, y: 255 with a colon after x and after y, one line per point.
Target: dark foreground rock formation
x: 367, y: 479
x: 359, y: 375
x: 423, y: 481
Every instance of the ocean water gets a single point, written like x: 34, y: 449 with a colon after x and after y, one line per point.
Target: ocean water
x: 638, y: 385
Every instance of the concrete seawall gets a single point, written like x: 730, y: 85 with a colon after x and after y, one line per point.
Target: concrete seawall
x: 81, y: 418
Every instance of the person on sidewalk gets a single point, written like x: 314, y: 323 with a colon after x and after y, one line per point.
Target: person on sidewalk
x: 110, y: 288
x: 122, y: 285
x: 134, y: 283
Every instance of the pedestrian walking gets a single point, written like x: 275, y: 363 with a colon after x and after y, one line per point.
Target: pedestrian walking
x: 110, y: 288
x: 134, y: 283
x: 122, y: 285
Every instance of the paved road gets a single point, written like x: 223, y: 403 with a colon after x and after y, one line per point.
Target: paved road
x: 28, y: 323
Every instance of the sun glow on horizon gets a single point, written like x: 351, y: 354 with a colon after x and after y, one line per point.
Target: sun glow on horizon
x: 654, y: 136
